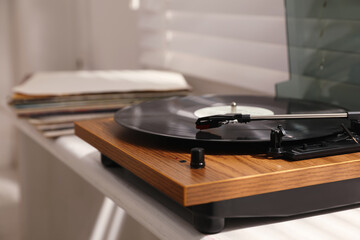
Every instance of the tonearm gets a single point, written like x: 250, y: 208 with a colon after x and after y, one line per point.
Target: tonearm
x: 219, y: 120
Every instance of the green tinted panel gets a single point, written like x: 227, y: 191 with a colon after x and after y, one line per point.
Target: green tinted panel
x: 324, y: 51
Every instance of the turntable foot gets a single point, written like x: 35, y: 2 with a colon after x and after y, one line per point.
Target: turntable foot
x: 107, y: 162
x: 208, y: 224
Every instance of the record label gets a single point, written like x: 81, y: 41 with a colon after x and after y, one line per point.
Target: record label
x: 221, y: 110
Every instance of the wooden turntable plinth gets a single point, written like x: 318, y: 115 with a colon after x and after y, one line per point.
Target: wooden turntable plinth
x: 224, y: 177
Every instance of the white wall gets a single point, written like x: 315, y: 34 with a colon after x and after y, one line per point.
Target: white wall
x: 73, y: 34
x: 44, y: 35
x: 113, y: 35
x: 5, y: 82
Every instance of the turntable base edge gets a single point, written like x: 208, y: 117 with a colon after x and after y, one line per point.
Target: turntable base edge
x: 224, y: 177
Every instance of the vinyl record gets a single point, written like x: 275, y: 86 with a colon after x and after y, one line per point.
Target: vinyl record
x: 175, y: 117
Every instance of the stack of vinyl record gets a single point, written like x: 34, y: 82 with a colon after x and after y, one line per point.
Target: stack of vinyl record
x: 52, y: 101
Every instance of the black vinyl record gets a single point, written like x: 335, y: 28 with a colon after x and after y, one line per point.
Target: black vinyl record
x: 175, y: 117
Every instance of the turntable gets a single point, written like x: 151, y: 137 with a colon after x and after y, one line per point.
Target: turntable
x: 236, y: 156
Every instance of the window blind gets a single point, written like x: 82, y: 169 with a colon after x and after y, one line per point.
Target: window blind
x: 231, y: 41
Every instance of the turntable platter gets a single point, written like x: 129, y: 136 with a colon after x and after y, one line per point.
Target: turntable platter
x: 175, y: 117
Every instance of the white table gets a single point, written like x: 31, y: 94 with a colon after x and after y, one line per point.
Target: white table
x: 68, y: 194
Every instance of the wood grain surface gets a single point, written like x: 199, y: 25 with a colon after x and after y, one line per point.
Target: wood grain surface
x: 158, y: 162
